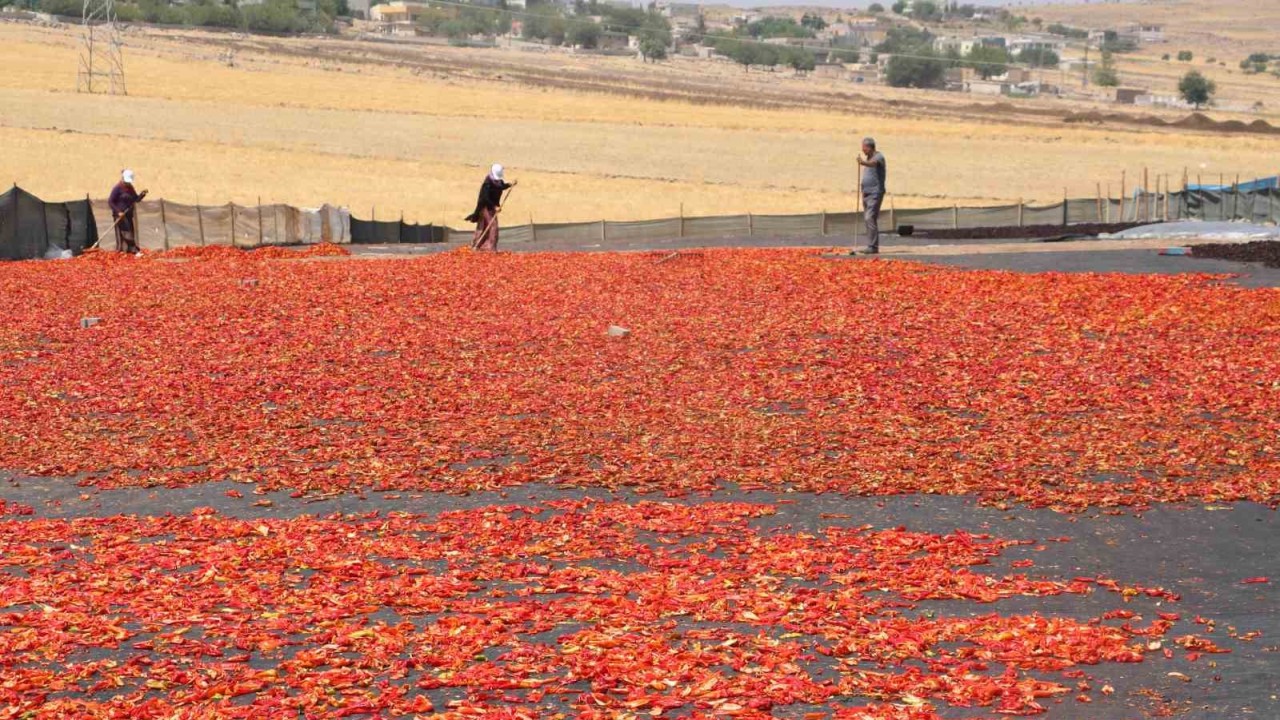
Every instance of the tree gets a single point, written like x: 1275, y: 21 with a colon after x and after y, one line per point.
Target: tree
x: 1196, y: 88
x: 1256, y: 63
x: 584, y: 34
x: 899, y: 7
x: 905, y: 40
x: 655, y: 37
x: 544, y: 23
x: 875, y: 8
x: 813, y: 22
x: 771, y: 27
x: 1039, y: 57
x: 925, y: 10
x: 1105, y: 74
x: 801, y: 60
x: 922, y: 70
x: 988, y: 61
x: 1185, y: 56
x: 1112, y: 42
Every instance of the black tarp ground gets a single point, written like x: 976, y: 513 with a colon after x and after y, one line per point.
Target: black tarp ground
x: 31, y: 228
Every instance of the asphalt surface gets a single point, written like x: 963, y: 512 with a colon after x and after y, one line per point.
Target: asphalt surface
x: 1113, y: 261
x: 1203, y: 552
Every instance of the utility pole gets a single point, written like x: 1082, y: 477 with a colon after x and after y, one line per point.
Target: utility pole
x: 1086, y: 64
x: 101, y: 58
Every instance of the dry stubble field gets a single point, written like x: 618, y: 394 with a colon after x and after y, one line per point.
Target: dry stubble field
x: 410, y: 129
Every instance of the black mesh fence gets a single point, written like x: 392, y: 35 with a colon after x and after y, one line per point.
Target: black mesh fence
x: 382, y: 232
x: 32, y: 228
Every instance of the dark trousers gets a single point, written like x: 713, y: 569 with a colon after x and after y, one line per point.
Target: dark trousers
x: 871, y: 206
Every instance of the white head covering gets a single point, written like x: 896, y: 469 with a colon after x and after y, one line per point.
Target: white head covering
x: 495, y: 172
x: 127, y: 176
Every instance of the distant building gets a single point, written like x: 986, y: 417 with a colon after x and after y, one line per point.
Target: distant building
x: 1018, y: 44
x: 853, y: 34
x: 675, y: 10
x: 833, y: 71
x: 868, y: 74
x: 965, y: 45
x: 1129, y: 96
x: 397, y: 12
x: 1142, y: 32
x: 957, y: 78
x: 988, y: 87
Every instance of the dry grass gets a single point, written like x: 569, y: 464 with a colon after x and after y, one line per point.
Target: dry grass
x: 303, y: 122
x: 1225, y: 31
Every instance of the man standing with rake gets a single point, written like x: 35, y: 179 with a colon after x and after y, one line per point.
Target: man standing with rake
x: 488, y: 205
x: 874, y: 173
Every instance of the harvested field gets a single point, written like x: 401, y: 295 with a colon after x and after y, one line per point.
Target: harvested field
x: 393, y: 128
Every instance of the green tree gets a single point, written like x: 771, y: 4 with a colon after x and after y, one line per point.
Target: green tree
x: 1196, y: 88
x: 922, y: 70
x: 1105, y: 74
x: 988, y: 61
x: 1039, y: 57
x: 875, y: 8
x: 813, y: 22
x: 801, y: 60
x: 544, y: 23
x: 771, y: 27
x: 1185, y: 56
x: 654, y: 37
x: 584, y: 34
x: 925, y: 10
x: 1112, y: 42
x: 905, y: 40
x: 1256, y: 63
x: 899, y: 7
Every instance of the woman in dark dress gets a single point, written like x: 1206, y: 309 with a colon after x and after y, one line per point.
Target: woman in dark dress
x: 488, y: 205
x: 124, y: 201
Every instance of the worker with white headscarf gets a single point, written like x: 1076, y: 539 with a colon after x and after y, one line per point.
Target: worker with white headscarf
x: 488, y: 205
x: 124, y: 201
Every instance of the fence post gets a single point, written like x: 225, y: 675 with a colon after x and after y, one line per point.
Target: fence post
x: 681, y: 219
x: 1098, y: 194
x: 824, y: 223
x: 200, y: 222
x: 233, y: 225
x: 751, y: 225
x: 893, y: 216
x: 1065, y: 207
x: 1235, y: 199
x: 604, y: 236
x: 260, y: 220
x: 164, y: 224
x: 275, y: 222
x: 955, y: 216
x: 1123, y: 187
x: 533, y: 229
x: 1021, y: 208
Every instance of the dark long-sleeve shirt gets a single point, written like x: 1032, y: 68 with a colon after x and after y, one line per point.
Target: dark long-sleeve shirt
x: 490, y: 197
x: 123, y: 198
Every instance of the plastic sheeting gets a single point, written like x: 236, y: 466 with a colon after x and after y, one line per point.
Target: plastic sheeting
x: 31, y: 228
